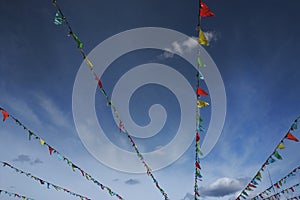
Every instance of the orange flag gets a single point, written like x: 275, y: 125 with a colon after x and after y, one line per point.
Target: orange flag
x: 5, y: 114
x: 291, y: 137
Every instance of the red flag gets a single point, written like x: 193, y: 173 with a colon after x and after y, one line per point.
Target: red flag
x: 50, y: 150
x: 252, y: 185
x: 197, y: 165
x: 197, y: 137
x: 291, y: 137
x: 5, y: 114
x: 277, y: 185
x: 205, y: 11
x: 201, y: 92
x: 292, y: 189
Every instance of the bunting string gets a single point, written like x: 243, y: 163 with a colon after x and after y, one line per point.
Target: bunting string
x: 43, y: 182
x: 11, y: 194
x: 60, y: 17
x: 54, y: 152
x: 204, y: 11
x: 282, y: 192
x: 275, y: 156
x: 278, y: 184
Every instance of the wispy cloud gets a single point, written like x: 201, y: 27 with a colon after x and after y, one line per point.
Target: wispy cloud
x: 54, y: 113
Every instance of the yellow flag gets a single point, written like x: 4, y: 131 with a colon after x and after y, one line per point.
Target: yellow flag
x: 281, y: 146
x: 201, y: 104
x: 88, y: 62
x: 42, y: 141
x: 202, y: 39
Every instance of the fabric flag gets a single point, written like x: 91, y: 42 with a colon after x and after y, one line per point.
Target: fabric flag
x: 58, y: 20
x: 276, y: 154
x: 202, y: 38
x: 197, y: 165
x: 200, y: 62
x: 197, y: 137
x: 271, y: 160
x: 42, y: 141
x: 294, y: 126
x: 79, y: 43
x: 5, y: 114
x: 291, y: 137
x: 50, y: 150
x: 200, y: 75
x: 205, y: 11
x: 88, y: 62
x: 201, y: 104
x: 201, y: 92
x: 281, y: 146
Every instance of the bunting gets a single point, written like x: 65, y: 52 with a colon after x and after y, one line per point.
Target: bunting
x: 278, y: 184
x: 11, y: 194
x: 109, y: 101
x: 54, y: 152
x: 43, y: 182
x: 282, y: 192
x: 204, y: 11
x: 275, y: 156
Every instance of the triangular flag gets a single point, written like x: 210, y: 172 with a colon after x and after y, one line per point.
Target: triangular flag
x: 197, y: 137
x: 200, y: 62
x: 197, y: 165
x: 88, y: 62
x: 201, y: 92
x: 42, y: 141
x: 202, y: 38
x: 50, y: 150
x: 58, y: 20
x: 281, y: 146
x: 79, y: 43
x: 271, y: 160
x: 295, y: 125
x: 5, y: 114
x: 291, y: 137
x: 200, y: 75
x: 205, y: 11
x: 276, y: 154
x: 201, y: 104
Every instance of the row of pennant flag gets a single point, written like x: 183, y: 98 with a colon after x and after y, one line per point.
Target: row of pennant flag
x: 204, y: 11
x: 60, y: 19
x: 277, y: 184
x: 43, y: 182
x: 275, y: 156
x: 11, y: 194
x: 57, y: 154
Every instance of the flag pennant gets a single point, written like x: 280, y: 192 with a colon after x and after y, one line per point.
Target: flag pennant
x: 271, y: 160
x: 201, y: 104
x: 276, y: 154
x: 5, y: 114
x: 201, y: 92
x: 88, y: 62
x: 202, y: 38
x: 295, y: 125
x: 79, y: 43
x: 281, y: 146
x: 200, y: 76
x: 197, y: 137
x: 200, y: 62
x: 205, y: 11
x: 58, y: 19
x: 291, y: 137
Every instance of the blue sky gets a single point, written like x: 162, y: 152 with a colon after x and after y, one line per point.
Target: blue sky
x: 254, y: 45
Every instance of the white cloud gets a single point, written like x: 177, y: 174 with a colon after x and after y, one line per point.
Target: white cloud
x: 223, y: 186
x: 180, y: 48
